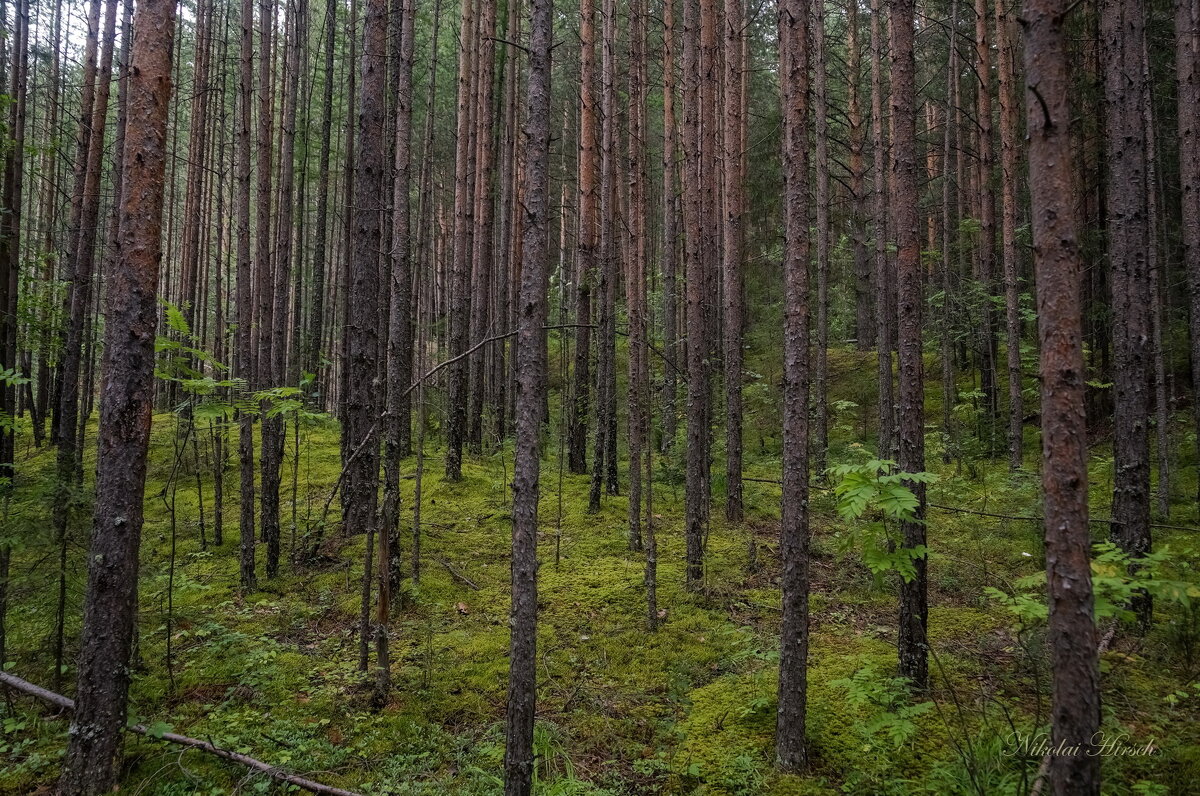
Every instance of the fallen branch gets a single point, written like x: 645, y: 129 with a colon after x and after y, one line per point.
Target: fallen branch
x: 58, y: 700
x: 458, y: 576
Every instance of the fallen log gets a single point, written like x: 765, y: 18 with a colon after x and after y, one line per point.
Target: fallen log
x: 58, y: 700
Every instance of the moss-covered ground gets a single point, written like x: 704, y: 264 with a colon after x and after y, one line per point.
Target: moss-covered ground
x: 687, y: 709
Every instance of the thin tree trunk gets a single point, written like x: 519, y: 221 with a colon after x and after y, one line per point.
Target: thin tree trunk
x: 670, y: 233
x: 732, y: 267
x: 824, y: 232
x: 460, y: 273
x: 864, y: 292
x: 885, y: 305
x: 585, y: 260
x: 245, y: 295
x: 1010, y: 159
x: 914, y: 600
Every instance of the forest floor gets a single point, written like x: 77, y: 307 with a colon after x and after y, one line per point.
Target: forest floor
x: 687, y: 709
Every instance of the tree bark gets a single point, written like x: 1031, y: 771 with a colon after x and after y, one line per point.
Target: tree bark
x: 1187, y: 73
x: 732, y: 237
x: 1010, y: 159
x: 531, y: 385
x: 885, y: 300
x: 791, y: 747
x: 245, y: 294
x: 1058, y: 266
x: 126, y: 402
x: 914, y: 600
x: 1128, y: 237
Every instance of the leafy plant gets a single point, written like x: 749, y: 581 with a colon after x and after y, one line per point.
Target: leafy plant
x: 879, y: 490
x: 885, y: 700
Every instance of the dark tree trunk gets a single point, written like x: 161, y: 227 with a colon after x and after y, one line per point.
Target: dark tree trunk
x: 696, y: 454
x: 732, y: 266
x: 531, y: 386
x: 585, y: 259
x: 864, y: 292
x: 360, y: 493
x: 398, y: 425
x: 1187, y: 71
x: 321, y: 265
x: 1058, y: 265
x: 482, y: 242
x: 914, y: 605
x: 127, y: 393
x: 670, y: 234
x: 1127, y: 230
x: 985, y: 251
x: 791, y: 747
x: 460, y: 269
x: 824, y: 233
x: 245, y: 294
x: 885, y: 302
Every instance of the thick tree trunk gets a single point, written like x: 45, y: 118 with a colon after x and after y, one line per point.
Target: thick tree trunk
x: 360, y: 493
x: 791, y: 748
x: 1127, y: 228
x: 1058, y: 265
x: 1187, y: 72
x: 531, y: 385
x: 126, y: 398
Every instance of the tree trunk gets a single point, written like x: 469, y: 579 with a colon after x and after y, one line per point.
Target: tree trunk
x: 585, y: 260
x: 731, y: 271
x: 1128, y: 235
x: 696, y: 454
x: 531, y: 385
x: 791, y: 747
x: 864, y: 294
x: 360, y: 493
x: 126, y: 399
x: 914, y: 605
x: 1187, y: 72
x: 1058, y: 266
x: 1010, y: 159
x: 460, y: 274
x: 885, y: 303
x: 245, y: 294
x: 670, y: 234
x: 824, y: 232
